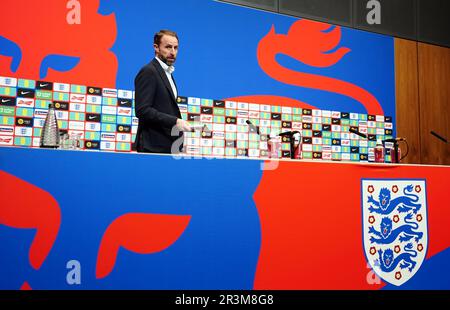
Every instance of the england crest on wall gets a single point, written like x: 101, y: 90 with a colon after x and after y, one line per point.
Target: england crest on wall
x: 395, y: 231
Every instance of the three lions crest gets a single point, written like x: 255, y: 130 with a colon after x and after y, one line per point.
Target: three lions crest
x: 394, y: 227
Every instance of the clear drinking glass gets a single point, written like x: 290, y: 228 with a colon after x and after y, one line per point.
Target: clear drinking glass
x: 64, y: 141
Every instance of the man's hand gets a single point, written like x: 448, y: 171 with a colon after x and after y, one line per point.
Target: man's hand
x: 183, y: 125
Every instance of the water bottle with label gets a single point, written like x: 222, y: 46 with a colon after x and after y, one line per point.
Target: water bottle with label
x: 297, y: 146
x: 274, y: 146
x: 379, y: 152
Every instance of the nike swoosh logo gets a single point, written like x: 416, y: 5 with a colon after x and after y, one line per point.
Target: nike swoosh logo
x: 43, y: 85
x: 92, y: 117
x: 24, y: 92
x: 7, y: 100
x: 123, y: 102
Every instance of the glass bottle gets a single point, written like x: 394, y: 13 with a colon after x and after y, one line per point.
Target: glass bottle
x: 379, y: 152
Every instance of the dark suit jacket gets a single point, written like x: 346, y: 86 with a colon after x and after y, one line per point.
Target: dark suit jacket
x: 156, y: 108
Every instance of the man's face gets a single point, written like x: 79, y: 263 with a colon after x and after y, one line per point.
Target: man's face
x: 167, y: 49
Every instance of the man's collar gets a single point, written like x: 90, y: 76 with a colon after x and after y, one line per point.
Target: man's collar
x: 169, y: 69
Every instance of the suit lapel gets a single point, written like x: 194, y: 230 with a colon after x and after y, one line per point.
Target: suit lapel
x: 163, y: 76
x: 174, y: 83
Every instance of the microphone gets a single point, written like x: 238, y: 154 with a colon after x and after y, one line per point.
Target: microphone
x: 253, y: 127
x: 288, y: 133
x: 394, y: 140
x: 356, y: 132
x: 438, y: 136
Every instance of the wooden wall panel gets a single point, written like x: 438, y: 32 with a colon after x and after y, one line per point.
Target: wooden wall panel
x: 407, y: 98
x: 434, y: 99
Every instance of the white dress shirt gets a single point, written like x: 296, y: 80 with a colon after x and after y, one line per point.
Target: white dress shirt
x: 169, y: 70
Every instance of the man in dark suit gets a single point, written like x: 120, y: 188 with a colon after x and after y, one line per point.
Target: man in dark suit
x: 155, y: 99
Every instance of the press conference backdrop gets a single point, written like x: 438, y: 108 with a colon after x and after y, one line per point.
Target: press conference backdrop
x: 104, y: 119
x: 226, y: 52
x: 104, y: 43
